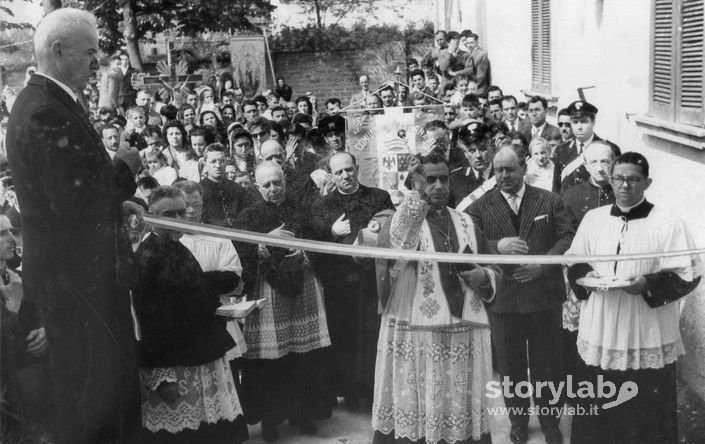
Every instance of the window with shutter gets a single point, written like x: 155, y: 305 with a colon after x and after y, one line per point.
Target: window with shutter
x: 677, y: 61
x: 541, y: 45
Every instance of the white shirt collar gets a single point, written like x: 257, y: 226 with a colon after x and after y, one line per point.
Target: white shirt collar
x: 539, y: 129
x: 61, y: 85
x: 519, y: 194
x: 585, y: 144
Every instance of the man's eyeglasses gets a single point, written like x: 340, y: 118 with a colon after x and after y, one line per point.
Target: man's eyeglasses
x: 564, y: 124
x: 631, y: 180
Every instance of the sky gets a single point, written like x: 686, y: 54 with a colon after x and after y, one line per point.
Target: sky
x: 27, y: 12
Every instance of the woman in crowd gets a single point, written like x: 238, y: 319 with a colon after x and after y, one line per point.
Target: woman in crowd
x: 179, y: 153
x: 211, y: 118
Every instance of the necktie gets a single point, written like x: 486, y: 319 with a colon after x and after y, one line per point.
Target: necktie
x: 512, y: 200
x: 480, y: 179
x: 534, y: 132
x: 582, y: 147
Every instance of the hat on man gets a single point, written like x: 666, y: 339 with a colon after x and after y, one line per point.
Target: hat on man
x: 474, y: 133
x: 581, y: 108
x: 335, y: 123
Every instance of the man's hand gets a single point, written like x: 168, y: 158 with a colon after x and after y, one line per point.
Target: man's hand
x: 341, y: 227
x: 512, y: 245
x: 291, y: 146
x: 36, y: 342
x: 417, y: 175
x: 130, y: 208
x: 281, y: 232
x: 13, y: 292
x: 527, y: 272
x: 639, y: 286
x: 477, y: 277
x: 168, y: 391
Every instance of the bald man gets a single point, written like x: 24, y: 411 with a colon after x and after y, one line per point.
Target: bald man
x: 351, y: 302
x: 283, y: 364
x: 75, y: 250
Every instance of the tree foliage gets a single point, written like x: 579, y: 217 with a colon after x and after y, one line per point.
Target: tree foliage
x: 182, y: 17
x: 336, y: 37
x: 6, y: 15
x: 330, y: 12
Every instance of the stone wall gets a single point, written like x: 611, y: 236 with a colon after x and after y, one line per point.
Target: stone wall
x: 336, y: 73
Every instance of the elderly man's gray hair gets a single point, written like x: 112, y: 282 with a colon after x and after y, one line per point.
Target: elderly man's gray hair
x: 61, y: 24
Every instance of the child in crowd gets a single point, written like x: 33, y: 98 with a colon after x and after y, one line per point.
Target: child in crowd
x: 539, y: 167
x: 158, y: 168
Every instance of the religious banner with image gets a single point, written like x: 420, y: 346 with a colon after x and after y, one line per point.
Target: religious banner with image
x: 248, y: 60
x: 382, y: 141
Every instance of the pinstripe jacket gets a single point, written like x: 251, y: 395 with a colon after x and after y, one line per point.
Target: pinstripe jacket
x: 545, y: 227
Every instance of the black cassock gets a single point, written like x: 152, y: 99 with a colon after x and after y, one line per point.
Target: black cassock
x: 350, y: 290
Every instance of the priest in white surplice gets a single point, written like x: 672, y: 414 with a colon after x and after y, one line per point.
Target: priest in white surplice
x: 433, y: 354
x: 631, y: 333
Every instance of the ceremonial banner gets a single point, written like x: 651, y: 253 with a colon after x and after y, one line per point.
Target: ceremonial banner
x: 383, y: 139
x: 248, y: 61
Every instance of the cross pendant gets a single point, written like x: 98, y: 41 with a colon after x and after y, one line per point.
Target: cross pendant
x: 449, y: 245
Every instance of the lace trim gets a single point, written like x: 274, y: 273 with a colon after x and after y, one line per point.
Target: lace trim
x: 445, y: 427
x: 634, y: 359
x: 153, y: 377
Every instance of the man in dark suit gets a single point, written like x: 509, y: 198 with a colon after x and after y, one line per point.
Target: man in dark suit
x: 75, y: 246
x: 511, y: 118
x: 525, y: 317
x: 569, y: 167
x: 537, y: 116
x: 464, y: 180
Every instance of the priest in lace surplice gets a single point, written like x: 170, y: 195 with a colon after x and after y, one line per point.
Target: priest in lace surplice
x: 433, y: 354
x: 628, y: 333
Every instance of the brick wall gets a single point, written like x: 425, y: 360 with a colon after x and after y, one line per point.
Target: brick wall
x: 336, y: 73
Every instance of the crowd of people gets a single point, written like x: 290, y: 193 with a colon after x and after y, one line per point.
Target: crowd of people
x: 121, y: 317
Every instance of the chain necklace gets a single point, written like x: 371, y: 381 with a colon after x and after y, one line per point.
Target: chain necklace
x: 447, y: 241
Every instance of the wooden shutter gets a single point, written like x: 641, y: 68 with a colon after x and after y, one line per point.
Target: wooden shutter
x: 677, y: 59
x: 690, y: 92
x: 662, y: 59
x: 541, y: 45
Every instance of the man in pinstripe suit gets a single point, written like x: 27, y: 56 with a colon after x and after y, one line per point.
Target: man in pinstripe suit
x: 525, y: 317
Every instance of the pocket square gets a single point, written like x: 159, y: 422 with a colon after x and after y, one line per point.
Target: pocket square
x: 539, y: 218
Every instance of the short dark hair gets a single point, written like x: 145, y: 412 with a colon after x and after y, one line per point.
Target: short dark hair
x: 260, y: 99
x: 169, y: 112
x: 563, y: 112
x: 417, y: 72
x: 109, y: 126
x: 333, y: 100
x: 633, y: 158
x: 197, y: 132
x: 495, y: 88
x: 434, y: 125
x: 148, y: 183
x: 189, y: 187
x: 466, y: 33
x: 452, y: 36
x: 434, y: 157
x: 510, y: 97
x: 152, y: 131
x: 164, y: 192
x: 248, y: 103
x: 471, y: 100
x: 522, y: 106
x: 240, y: 134
x: 214, y: 148
x: 536, y: 99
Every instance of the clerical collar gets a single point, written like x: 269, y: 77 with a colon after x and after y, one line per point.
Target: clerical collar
x: 62, y: 85
x: 638, y: 211
x: 357, y: 187
x: 597, y: 185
